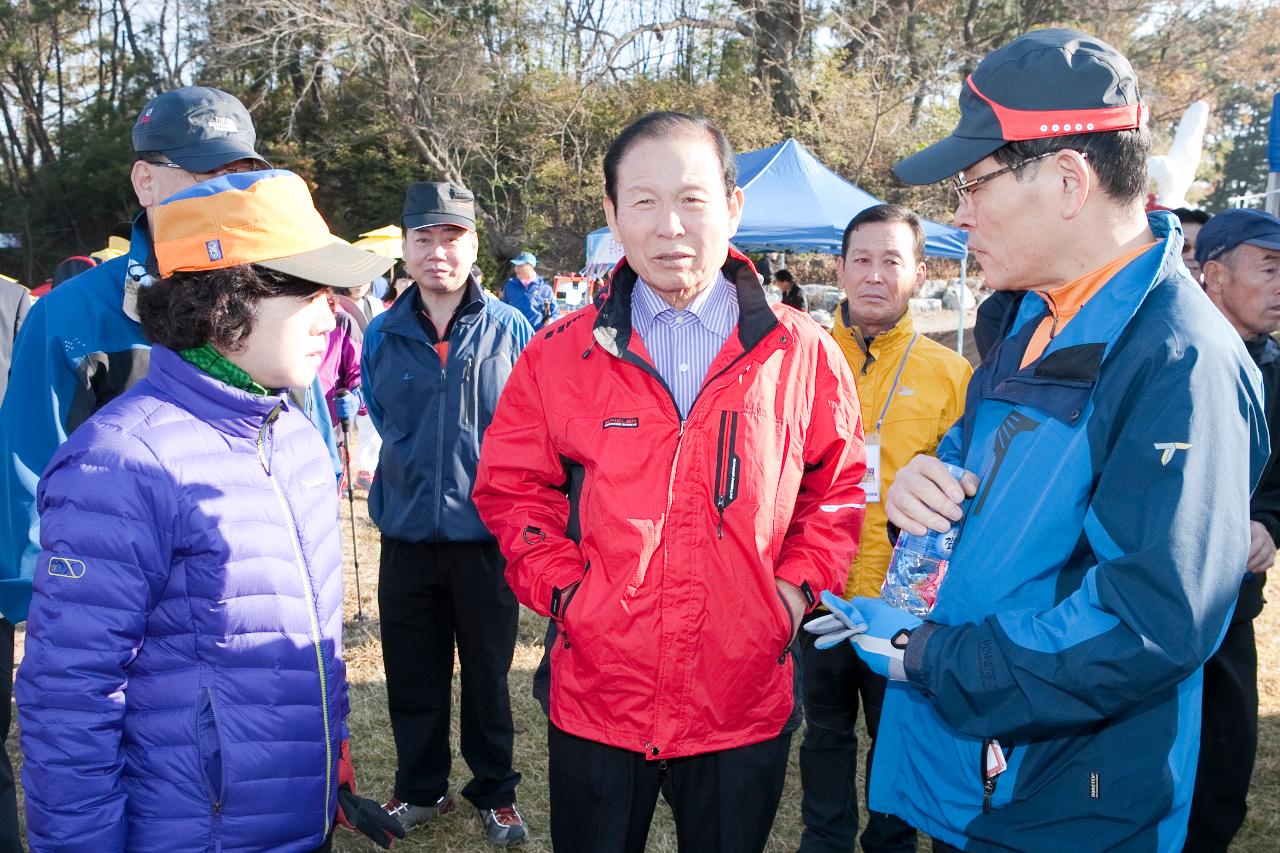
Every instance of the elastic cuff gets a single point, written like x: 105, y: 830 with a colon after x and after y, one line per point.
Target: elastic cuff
x: 811, y: 599
x: 913, y: 655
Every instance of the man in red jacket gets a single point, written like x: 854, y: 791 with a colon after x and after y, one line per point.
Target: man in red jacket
x: 673, y: 476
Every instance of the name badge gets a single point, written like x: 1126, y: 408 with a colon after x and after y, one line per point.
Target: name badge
x: 871, y: 479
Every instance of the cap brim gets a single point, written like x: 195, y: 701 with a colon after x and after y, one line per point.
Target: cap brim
x: 426, y: 220
x: 944, y: 158
x: 1269, y: 241
x: 211, y: 156
x: 338, y: 264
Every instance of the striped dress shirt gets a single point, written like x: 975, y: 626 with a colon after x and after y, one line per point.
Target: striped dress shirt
x: 683, y: 344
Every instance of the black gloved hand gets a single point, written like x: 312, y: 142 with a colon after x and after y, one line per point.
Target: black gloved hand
x: 367, y: 818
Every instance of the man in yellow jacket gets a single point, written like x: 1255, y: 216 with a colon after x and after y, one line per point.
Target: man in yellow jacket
x: 912, y: 390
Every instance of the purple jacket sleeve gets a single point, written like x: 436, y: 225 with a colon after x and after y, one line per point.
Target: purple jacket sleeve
x: 107, y: 513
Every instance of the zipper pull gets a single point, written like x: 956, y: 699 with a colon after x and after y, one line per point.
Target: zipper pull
x: 466, y: 370
x: 720, y: 525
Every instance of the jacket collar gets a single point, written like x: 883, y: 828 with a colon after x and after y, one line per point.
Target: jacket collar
x: 1263, y: 349
x: 227, y: 409
x: 402, y: 317
x: 755, y: 318
x: 1106, y: 315
x: 887, y: 341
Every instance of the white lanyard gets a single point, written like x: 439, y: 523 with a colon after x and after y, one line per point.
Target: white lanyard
x: 894, y: 389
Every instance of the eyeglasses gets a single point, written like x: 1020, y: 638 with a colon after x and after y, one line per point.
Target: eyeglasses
x: 962, y: 186
x: 233, y: 168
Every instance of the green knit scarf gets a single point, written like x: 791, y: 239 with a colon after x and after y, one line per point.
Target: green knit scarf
x: 221, y: 368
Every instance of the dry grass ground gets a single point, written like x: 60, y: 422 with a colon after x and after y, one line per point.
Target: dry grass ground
x: 460, y: 832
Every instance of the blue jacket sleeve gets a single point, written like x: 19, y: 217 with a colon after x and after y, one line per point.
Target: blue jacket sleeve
x: 369, y: 352
x: 317, y: 411
x: 521, y: 332
x: 108, y: 510
x: 33, y: 420
x: 1167, y: 524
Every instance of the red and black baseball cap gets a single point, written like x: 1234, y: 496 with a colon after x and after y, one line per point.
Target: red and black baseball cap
x: 1045, y: 83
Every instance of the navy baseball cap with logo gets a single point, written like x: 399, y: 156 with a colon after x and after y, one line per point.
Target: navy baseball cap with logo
x: 199, y: 128
x: 1232, y: 227
x: 1046, y: 83
x: 444, y: 203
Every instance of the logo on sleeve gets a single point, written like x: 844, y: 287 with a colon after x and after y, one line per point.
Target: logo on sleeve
x: 65, y: 567
x: 622, y: 423
x: 1170, y: 448
x: 214, y: 249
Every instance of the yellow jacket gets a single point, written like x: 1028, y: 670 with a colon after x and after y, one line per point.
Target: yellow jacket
x: 929, y: 399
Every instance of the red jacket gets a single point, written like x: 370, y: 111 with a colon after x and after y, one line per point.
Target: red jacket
x: 675, y: 642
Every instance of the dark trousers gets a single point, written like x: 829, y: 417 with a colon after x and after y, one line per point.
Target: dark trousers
x: 1228, y: 741
x: 9, y: 837
x: 602, y: 797
x: 832, y: 682
x: 432, y: 595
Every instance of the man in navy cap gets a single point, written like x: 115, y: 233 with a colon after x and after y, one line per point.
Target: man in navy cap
x: 1111, y: 438
x: 433, y: 367
x: 82, y: 345
x: 1239, y: 255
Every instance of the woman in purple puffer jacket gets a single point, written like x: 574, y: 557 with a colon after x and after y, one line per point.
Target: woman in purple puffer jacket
x: 183, y: 686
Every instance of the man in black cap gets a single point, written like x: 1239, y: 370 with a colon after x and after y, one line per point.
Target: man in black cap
x: 1050, y: 699
x: 1238, y: 252
x: 432, y: 368
x: 82, y: 345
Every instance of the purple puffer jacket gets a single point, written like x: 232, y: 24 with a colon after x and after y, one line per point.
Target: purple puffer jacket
x: 183, y: 685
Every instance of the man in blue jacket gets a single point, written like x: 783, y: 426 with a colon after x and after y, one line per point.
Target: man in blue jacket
x: 1238, y: 259
x: 1051, y: 699
x: 432, y: 369
x: 82, y: 345
x: 526, y: 292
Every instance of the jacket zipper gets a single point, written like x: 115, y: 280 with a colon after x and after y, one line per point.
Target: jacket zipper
x: 313, y: 612
x: 465, y: 397
x: 989, y: 781
x: 444, y: 380
x: 215, y: 796
x: 791, y: 629
x: 564, y: 608
x: 727, y: 467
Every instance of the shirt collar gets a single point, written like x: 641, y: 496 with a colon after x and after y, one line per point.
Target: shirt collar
x: 647, y: 306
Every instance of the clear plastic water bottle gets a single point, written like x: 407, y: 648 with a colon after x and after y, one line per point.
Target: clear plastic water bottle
x: 919, y: 564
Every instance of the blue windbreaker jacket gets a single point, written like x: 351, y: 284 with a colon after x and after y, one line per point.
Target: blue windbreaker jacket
x: 432, y: 414
x: 183, y: 687
x: 531, y: 300
x: 1096, y: 571
x: 77, y: 351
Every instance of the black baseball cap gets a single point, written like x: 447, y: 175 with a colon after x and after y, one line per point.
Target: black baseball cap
x: 445, y: 203
x: 1046, y: 83
x: 199, y: 128
x: 1232, y: 227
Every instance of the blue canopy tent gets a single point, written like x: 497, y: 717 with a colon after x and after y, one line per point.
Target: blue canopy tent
x: 795, y: 204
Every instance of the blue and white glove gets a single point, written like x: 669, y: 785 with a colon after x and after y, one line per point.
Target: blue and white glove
x: 347, y: 405
x: 878, y: 631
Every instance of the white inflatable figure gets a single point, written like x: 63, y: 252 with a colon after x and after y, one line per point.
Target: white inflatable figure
x: 1173, y: 173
